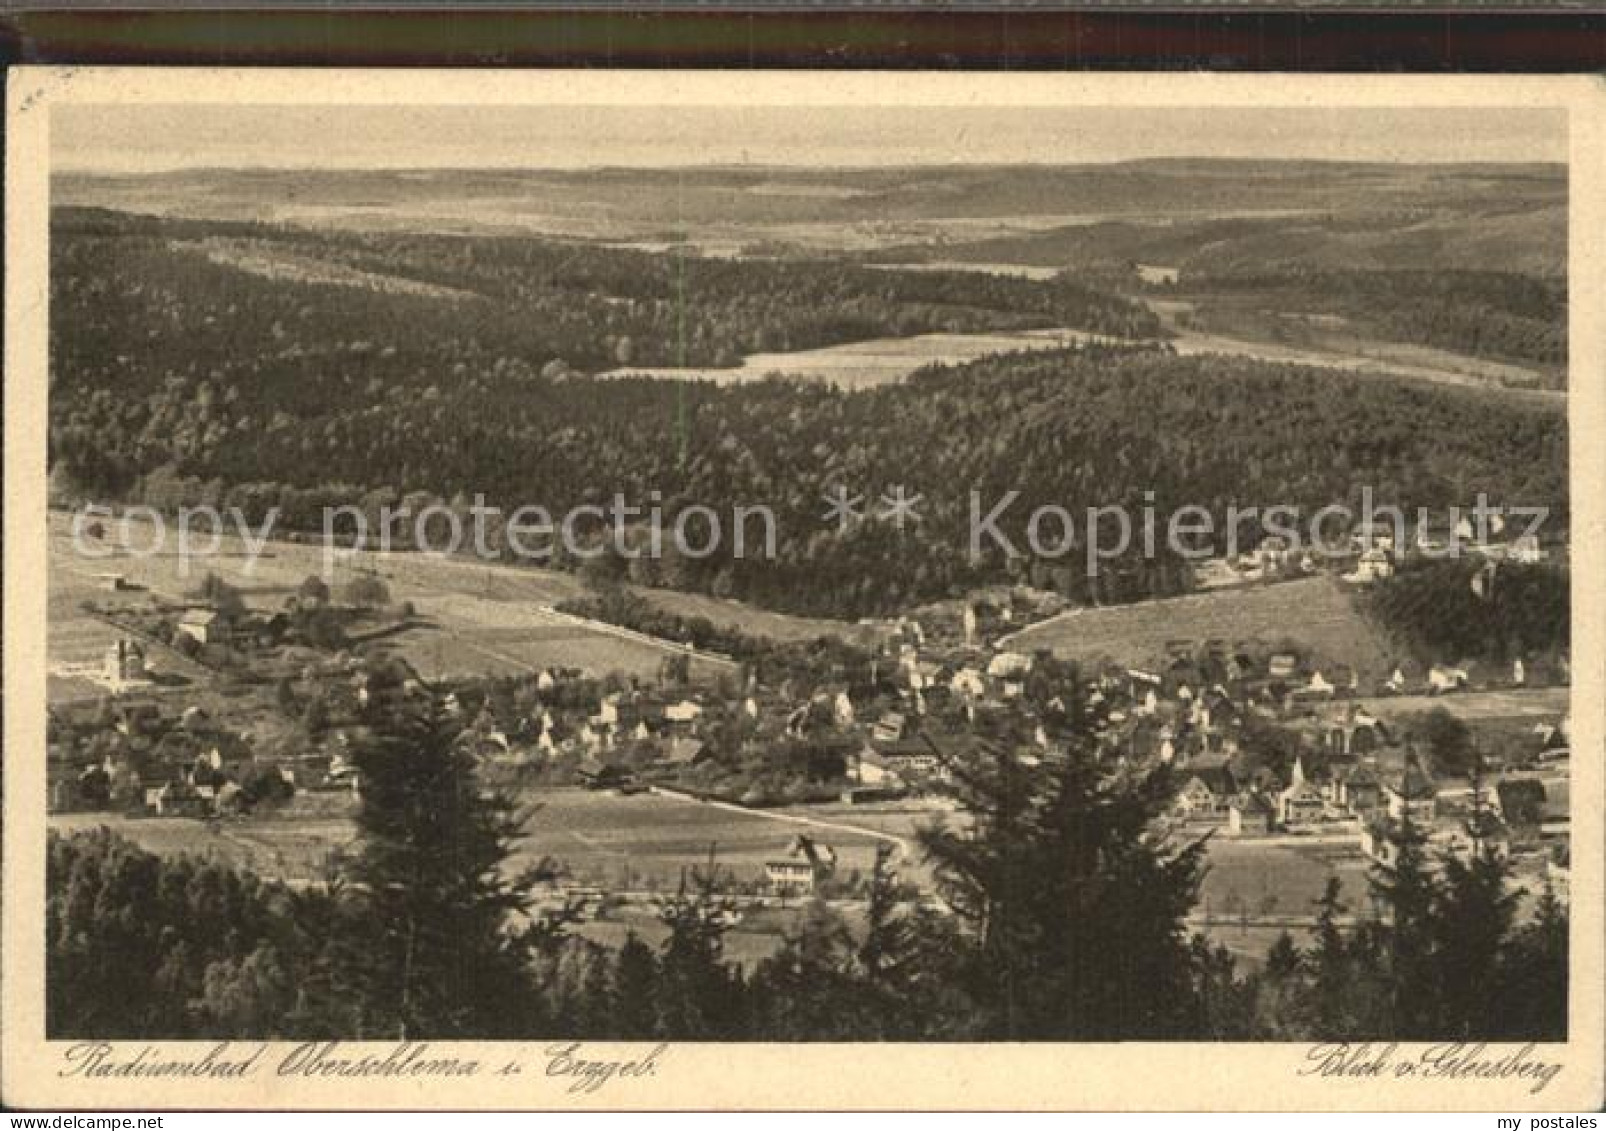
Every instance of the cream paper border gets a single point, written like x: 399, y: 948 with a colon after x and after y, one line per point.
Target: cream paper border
x: 1225, y: 1077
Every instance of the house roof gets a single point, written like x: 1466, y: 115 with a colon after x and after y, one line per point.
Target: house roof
x: 1517, y: 790
x: 1215, y: 771
x: 1362, y: 774
x: 1413, y: 782
x: 1255, y: 804
x: 915, y: 746
x: 684, y: 750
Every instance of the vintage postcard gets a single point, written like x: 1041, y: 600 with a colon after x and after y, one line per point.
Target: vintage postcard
x: 803, y: 591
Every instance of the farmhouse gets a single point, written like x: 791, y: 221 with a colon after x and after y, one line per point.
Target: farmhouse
x: 1208, y: 794
x: 125, y: 664
x: 1282, y: 665
x: 1526, y: 549
x: 683, y: 711
x: 1301, y: 804
x: 1360, y: 790
x: 1157, y: 275
x: 891, y: 727
x: 1374, y: 565
x: 683, y: 753
x: 1411, y: 794
x: 596, y: 775
x: 807, y: 862
x: 790, y: 877
x: 870, y: 769
x: 1252, y: 814
x: 1443, y: 678
x: 204, y: 626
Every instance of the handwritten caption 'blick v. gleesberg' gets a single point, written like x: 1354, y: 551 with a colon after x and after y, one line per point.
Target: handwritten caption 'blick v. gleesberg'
x: 1368, y: 1061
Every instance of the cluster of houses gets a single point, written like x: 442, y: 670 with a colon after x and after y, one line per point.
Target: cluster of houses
x: 1356, y: 779
x: 633, y: 735
x: 889, y: 732
x: 1374, y: 550
x: 146, y: 760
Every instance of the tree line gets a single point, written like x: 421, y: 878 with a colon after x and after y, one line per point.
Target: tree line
x: 1469, y: 608
x: 1493, y: 314
x: 1100, y: 426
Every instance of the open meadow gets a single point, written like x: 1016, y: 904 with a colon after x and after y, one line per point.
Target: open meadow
x: 880, y: 361
x: 1316, y: 612
x: 473, y: 617
x: 638, y: 842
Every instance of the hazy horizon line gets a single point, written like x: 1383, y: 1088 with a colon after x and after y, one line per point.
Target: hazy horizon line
x: 67, y: 167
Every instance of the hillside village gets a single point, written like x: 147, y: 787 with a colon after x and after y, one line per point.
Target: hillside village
x: 1265, y: 741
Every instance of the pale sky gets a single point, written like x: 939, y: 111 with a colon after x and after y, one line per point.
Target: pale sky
x: 126, y: 138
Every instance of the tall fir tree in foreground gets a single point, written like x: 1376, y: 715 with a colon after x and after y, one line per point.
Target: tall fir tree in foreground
x: 1532, y: 987
x: 1074, y: 903
x: 700, y: 993
x: 443, y: 955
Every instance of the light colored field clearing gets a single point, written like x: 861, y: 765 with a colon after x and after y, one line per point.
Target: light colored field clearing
x: 485, y: 617
x: 603, y: 836
x: 1314, y: 611
x: 1354, y: 355
x: 273, y: 262
x: 1481, y: 369
x: 600, y: 837
x: 754, y: 621
x: 1277, y: 879
x: 64, y: 688
x: 76, y: 642
x: 438, y: 651
x: 881, y: 361
x: 1013, y: 270
x: 76, y: 638
x: 1378, y: 360
x: 298, y: 850
x: 1536, y: 703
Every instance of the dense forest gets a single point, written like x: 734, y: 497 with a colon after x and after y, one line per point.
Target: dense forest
x: 1470, y: 609
x: 1491, y: 314
x: 179, y: 381
x: 1065, y: 923
x: 203, y: 291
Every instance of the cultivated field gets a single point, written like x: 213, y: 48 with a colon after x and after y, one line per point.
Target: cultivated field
x: 1356, y: 355
x: 474, y: 618
x: 648, y: 839
x: 1314, y: 611
x: 1165, y: 212
x: 882, y: 361
x: 781, y: 627
x: 1277, y: 879
x: 1547, y: 703
x: 260, y: 257
x: 76, y: 642
x: 640, y: 842
x: 643, y: 844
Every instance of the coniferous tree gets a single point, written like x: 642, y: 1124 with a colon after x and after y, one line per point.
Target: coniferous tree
x: 1532, y: 986
x: 1406, y: 892
x: 1472, y: 917
x: 441, y: 958
x: 1075, y: 903
x: 700, y: 993
x: 811, y: 988
x: 635, y: 991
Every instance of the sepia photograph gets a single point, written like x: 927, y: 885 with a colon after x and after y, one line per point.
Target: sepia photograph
x: 624, y: 571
